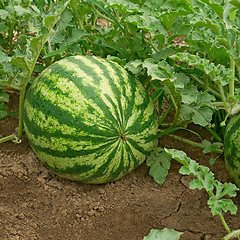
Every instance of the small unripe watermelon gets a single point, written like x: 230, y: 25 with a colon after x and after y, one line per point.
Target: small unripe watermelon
x: 232, y: 149
x: 88, y: 120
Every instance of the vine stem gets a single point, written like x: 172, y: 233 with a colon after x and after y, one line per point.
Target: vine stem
x: 223, y: 98
x: 165, y: 114
x: 21, y: 102
x: 224, y: 223
x: 199, y: 145
x: 215, y: 135
x: 190, y: 3
x: 231, y: 82
x: 235, y: 233
x: 208, y: 89
x: 147, y: 41
x: 74, y: 8
x: 8, y: 138
x: 11, y: 34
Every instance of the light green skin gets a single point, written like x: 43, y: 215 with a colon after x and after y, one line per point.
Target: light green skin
x: 88, y: 121
x: 232, y: 149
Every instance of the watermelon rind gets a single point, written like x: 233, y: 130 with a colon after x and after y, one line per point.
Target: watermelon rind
x: 88, y: 120
x: 232, y: 149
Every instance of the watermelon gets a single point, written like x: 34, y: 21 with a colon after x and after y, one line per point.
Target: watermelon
x: 88, y: 120
x: 232, y: 149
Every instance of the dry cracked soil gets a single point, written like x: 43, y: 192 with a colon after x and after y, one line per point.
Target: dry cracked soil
x: 36, y: 204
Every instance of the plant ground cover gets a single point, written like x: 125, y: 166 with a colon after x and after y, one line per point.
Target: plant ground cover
x: 35, y: 204
x: 173, y: 72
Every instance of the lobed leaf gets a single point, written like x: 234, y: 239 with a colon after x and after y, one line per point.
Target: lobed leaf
x: 218, y: 73
x: 154, y: 71
x: 217, y: 206
x: 134, y: 66
x: 205, y: 180
x: 159, y: 163
x: 201, y: 116
x: 164, y: 234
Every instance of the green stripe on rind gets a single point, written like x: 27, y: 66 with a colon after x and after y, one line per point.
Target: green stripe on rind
x: 90, y: 169
x: 91, y: 139
x: 232, y: 149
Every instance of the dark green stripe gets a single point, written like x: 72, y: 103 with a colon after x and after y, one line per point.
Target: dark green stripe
x: 71, y: 153
x: 41, y: 104
x: 138, y: 146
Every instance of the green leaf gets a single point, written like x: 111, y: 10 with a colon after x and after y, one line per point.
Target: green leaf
x: 163, y: 54
x: 3, y: 57
x: 218, y: 73
x: 78, y: 35
x: 205, y: 180
x: 154, y: 71
x: 211, y: 161
x: 216, y: 7
x: 53, y: 16
x: 225, y: 42
x: 229, y: 189
x: 205, y: 99
x: 56, y: 52
x: 159, y: 163
x: 209, y: 23
x: 235, y: 3
x: 4, y: 14
x: 193, y: 167
x: 200, y: 110
x: 20, y: 11
x: 124, y: 5
x: 196, y: 184
x: 134, y: 66
x: 165, y: 234
x: 189, y: 95
x: 180, y: 156
x: 3, y: 110
x: 3, y: 96
x: 147, y: 23
x: 223, y: 204
x: 120, y: 61
x: 210, y: 147
x: 184, y: 170
x: 201, y: 116
x: 215, y: 205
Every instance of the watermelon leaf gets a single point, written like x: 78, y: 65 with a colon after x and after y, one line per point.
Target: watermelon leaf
x: 159, y: 163
x: 3, y: 110
x: 204, y: 179
x: 164, y: 234
x: 3, y: 107
x: 210, y: 147
x: 3, y: 96
x: 218, y: 74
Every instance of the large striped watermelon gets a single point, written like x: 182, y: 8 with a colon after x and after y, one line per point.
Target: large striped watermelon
x: 88, y: 120
x: 232, y: 149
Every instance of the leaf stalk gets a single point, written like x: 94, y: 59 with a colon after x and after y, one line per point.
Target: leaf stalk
x: 192, y: 143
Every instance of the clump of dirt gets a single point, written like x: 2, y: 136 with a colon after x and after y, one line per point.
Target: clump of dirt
x: 36, y: 204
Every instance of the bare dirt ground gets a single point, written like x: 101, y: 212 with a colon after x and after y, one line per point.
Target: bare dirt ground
x: 36, y: 204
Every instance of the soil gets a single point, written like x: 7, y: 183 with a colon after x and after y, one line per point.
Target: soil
x: 36, y: 204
